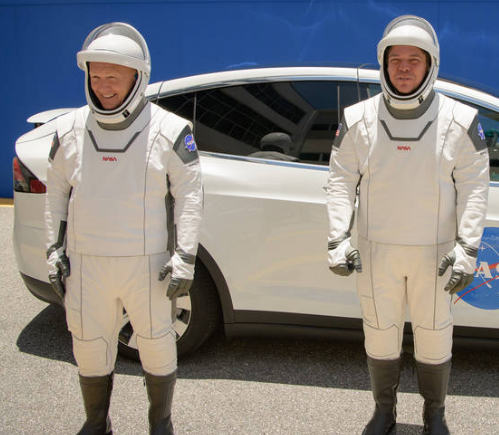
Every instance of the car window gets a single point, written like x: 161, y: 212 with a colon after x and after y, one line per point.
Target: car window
x: 489, y: 120
x: 325, y: 101
x: 182, y: 105
x: 287, y: 120
x: 370, y: 90
x: 490, y: 124
x: 293, y: 120
x: 232, y: 120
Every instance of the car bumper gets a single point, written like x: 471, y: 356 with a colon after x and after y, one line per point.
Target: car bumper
x: 42, y: 290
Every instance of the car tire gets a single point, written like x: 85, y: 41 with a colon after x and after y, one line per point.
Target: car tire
x: 197, y: 315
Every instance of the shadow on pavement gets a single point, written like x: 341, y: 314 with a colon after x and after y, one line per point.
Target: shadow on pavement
x: 407, y: 429
x: 47, y: 336
x: 321, y: 363
x: 329, y: 364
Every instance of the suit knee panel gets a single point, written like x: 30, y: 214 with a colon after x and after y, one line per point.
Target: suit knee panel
x: 158, y: 355
x: 93, y: 356
x: 433, y: 346
x: 382, y: 343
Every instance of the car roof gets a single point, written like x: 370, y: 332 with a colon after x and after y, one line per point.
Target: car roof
x: 245, y: 76
x: 365, y: 74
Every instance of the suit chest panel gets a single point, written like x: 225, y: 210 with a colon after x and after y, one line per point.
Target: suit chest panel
x: 409, y: 148
x: 119, y: 165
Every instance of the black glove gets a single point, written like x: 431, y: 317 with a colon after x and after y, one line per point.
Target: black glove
x: 459, y: 279
x: 178, y: 286
x: 352, y: 263
x: 465, y: 258
x: 58, y: 284
x: 165, y: 270
x: 344, y: 258
x: 59, y: 270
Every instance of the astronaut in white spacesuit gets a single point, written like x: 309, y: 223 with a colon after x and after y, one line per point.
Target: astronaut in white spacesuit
x: 420, y: 164
x: 123, y: 210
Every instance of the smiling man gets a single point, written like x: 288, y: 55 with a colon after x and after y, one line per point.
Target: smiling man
x: 123, y: 210
x: 420, y: 164
x: 111, y: 83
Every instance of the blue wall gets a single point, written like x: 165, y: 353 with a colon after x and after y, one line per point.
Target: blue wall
x: 39, y: 40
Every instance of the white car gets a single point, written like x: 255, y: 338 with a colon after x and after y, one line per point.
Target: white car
x: 265, y: 138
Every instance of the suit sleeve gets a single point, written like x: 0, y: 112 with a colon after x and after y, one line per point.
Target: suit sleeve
x: 471, y: 179
x: 186, y: 187
x: 344, y: 176
x: 57, y: 197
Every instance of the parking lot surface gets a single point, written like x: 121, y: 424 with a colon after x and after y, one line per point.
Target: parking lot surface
x: 237, y: 387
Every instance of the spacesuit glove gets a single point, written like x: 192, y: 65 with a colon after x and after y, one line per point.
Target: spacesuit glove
x: 463, y: 263
x: 165, y: 270
x: 344, y: 258
x: 181, y: 268
x: 59, y: 269
x: 178, y: 286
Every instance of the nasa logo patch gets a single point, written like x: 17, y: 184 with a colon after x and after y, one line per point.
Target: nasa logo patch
x: 480, y: 132
x: 483, y: 292
x: 189, y: 143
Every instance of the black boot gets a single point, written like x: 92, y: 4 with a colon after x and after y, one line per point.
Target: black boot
x: 433, y: 381
x: 385, y: 375
x: 96, y: 393
x: 160, y: 393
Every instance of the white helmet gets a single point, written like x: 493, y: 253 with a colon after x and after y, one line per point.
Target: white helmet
x: 120, y: 44
x: 417, y: 32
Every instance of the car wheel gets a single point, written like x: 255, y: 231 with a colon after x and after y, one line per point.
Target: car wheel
x: 197, y: 315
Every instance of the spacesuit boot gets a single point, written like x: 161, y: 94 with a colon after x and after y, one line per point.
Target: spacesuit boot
x: 160, y: 393
x: 96, y: 393
x: 385, y: 375
x: 433, y: 381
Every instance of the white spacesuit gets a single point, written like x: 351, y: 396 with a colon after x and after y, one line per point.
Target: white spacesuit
x: 127, y: 182
x: 420, y: 164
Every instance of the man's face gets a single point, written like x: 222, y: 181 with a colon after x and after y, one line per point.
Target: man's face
x: 407, y: 66
x: 111, y: 83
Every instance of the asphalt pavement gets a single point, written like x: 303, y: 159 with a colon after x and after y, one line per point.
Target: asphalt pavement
x: 228, y: 387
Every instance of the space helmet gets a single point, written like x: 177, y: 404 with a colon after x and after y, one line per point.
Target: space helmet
x: 414, y: 31
x: 120, y: 44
